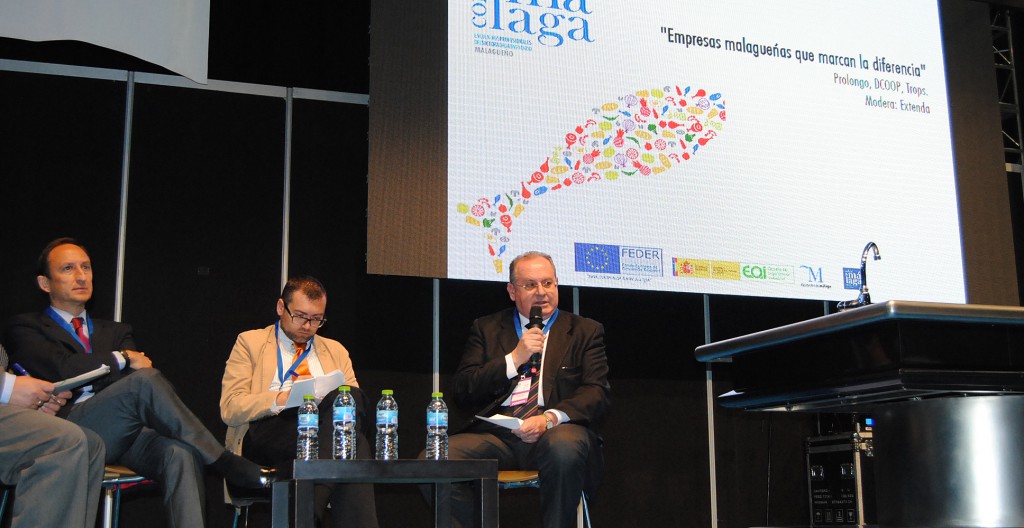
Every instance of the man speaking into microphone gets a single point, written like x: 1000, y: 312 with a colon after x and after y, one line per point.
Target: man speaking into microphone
x: 548, y: 368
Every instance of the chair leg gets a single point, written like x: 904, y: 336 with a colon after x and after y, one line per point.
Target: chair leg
x: 3, y: 503
x: 117, y: 505
x: 108, y: 507
x: 583, y: 513
x: 241, y: 512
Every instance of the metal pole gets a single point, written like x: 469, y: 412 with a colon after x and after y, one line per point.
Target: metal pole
x: 437, y: 335
x: 286, y: 207
x: 122, y: 227
x: 710, y: 403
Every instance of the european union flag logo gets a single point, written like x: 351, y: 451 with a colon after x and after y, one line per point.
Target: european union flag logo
x: 597, y: 258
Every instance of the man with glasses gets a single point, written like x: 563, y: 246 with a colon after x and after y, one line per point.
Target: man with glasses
x: 133, y: 408
x: 258, y: 379
x: 552, y: 374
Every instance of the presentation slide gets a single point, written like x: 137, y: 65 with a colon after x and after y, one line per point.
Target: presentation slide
x: 727, y: 147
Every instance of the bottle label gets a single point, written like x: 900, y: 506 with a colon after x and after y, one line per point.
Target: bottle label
x: 387, y: 417
x: 437, y: 419
x: 344, y: 414
x: 308, y: 420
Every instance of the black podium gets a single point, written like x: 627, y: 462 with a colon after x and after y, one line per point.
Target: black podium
x: 945, y: 383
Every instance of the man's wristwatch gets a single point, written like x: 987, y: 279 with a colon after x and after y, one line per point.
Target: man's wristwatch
x: 549, y: 420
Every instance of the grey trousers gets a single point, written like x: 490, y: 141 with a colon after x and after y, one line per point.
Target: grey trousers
x: 55, y: 466
x: 147, y: 428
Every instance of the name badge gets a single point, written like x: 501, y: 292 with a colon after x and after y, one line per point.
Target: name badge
x: 522, y: 391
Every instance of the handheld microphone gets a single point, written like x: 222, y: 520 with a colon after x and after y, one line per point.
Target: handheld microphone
x: 536, y: 321
x: 536, y: 318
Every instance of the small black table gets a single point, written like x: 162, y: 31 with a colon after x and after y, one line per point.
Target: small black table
x: 483, y: 473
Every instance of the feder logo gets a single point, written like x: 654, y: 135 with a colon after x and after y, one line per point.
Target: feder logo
x: 550, y: 22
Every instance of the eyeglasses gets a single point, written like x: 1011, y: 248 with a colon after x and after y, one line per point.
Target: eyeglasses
x: 301, y: 319
x: 531, y: 286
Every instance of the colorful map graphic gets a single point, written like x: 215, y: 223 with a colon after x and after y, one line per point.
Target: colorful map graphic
x: 642, y: 134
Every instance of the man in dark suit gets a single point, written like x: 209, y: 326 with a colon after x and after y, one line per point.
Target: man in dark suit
x: 553, y: 376
x: 134, y: 409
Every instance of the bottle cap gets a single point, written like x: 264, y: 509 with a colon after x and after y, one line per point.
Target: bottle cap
x: 436, y: 394
x: 344, y: 388
x: 387, y: 391
x: 308, y: 397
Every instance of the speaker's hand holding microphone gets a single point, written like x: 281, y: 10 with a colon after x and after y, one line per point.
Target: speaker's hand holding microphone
x: 532, y: 342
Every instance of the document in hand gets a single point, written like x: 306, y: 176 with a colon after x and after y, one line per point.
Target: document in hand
x: 81, y: 379
x: 510, y: 422
x: 318, y: 386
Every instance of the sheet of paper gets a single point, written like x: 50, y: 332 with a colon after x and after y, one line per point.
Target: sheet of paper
x: 81, y: 379
x: 510, y: 422
x: 318, y: 386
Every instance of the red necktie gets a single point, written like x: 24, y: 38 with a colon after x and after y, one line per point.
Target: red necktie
x: 303, y: 368
x: 82, y: 335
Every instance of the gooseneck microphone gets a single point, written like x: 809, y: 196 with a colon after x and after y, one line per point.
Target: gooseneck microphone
x: 536, y: 318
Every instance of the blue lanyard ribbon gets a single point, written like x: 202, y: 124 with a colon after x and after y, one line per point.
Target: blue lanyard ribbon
x: 282, y: 376
x: 529, y: 366
x: 71, y: 330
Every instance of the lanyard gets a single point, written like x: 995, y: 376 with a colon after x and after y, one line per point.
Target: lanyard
x: 519, y: 324
x: 71, y: 330
x: 519, y: 331
x: 281, y: 375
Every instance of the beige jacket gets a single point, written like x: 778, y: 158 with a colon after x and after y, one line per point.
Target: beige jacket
x: 252, y: 366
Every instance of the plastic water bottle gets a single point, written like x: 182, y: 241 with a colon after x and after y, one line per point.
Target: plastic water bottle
x: 387, y: 426
x: 437, y: 428
x: 307, y: 447
x: 344, y: 425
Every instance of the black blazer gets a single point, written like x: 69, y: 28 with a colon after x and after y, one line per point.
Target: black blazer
x: 48, y: 351
x: 575, y: 367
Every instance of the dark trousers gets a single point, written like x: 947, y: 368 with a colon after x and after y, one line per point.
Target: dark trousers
x: 565, y: 456
x: 271, y: 441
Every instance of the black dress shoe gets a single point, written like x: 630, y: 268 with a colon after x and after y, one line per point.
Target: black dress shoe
x: 242, y: 473
x: 268, y: 476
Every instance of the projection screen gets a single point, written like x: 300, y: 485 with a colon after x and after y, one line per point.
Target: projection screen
x: 727, y: 147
